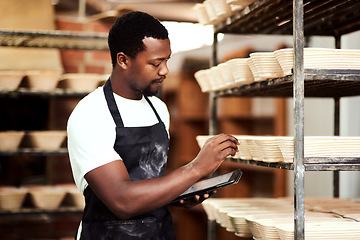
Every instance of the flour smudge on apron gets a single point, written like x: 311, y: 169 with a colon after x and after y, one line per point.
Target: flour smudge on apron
x: 151, y: 168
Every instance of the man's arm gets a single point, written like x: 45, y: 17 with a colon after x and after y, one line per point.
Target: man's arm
x: 125, y: 198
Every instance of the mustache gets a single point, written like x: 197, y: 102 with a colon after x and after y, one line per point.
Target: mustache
x: 159, y: 80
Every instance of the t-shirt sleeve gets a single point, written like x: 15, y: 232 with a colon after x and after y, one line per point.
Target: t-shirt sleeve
x: 90, y: 143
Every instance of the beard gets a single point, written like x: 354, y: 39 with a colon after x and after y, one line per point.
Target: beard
x: 150, y: 91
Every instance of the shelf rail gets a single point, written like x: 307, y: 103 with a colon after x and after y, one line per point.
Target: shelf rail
x: 34, y: 152
x: 310, y: 164
x: 53, y: 39
x: 318, y: 83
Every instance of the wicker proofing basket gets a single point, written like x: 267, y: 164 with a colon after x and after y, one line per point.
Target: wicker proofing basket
x: 73, y: 196
x: 10, y: 80
x: 81, y: 82
x: 47, y: 140
x: 45, y: 81
x: 10, y: 140
x: 46, y: 197
x: 11, y: 198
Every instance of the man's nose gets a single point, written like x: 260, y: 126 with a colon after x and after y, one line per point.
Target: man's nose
x: 164, y: 70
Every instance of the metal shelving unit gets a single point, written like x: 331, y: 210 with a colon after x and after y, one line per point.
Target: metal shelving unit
x: 47, y: 39
x: 297, y: 18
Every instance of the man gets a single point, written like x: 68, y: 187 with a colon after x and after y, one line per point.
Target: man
x: 118, y: 141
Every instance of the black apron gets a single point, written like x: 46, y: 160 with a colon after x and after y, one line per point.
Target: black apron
x: 144, y: 153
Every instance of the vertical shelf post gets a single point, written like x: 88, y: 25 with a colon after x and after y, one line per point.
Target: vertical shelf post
x: 298, y: 88
x: 212, y: 96
x: 336, y: 174
x: 211, y: 226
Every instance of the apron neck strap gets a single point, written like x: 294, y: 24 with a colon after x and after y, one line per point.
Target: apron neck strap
x: 153, y: 108
x: 109, y: 96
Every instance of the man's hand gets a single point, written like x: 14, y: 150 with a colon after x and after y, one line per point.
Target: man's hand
x: 191, y: 202
x: 213, y: 153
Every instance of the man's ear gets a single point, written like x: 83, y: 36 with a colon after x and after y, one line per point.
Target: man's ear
x: 122, y: 60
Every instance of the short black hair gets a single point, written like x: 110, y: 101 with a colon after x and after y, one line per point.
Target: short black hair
x: 127, y: 33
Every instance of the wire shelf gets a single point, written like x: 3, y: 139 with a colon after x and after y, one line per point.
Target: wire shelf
x: 321, y: 17
x: 54, y: 39
x: 318, y: 83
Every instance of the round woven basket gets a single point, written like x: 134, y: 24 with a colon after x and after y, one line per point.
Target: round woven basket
x: 81, y: 82
x: 46, y: 140
x: 10, y: 80
x: 46, y: 197
x: 45, y: 81
x: 12, y: 198
x: 10, y: 140
x: 73, y: 196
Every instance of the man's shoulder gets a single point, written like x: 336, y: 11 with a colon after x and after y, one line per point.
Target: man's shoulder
x: 93, y: 99
x: 157, y: 102
x: 91, y: 104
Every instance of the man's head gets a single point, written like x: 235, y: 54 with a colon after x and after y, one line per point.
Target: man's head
x: 128, y: 32
x: 140, y: 49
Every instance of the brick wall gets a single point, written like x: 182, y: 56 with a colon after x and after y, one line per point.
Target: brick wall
x: 84, y: 61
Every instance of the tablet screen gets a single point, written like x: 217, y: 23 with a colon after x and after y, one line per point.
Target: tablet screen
x: 208, y: 183
x: 211, y: 184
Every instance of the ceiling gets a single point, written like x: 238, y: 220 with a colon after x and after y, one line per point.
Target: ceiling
x: 164, y: 10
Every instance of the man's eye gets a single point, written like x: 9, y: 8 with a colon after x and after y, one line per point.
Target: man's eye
x: 156, y: 64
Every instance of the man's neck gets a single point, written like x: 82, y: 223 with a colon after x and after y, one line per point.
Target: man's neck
x: 122, y: 89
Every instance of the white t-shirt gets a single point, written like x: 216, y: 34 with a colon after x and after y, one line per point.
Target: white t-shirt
x: 91, y: 130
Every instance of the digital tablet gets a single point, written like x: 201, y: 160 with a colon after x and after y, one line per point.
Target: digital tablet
x: 211, y: 184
